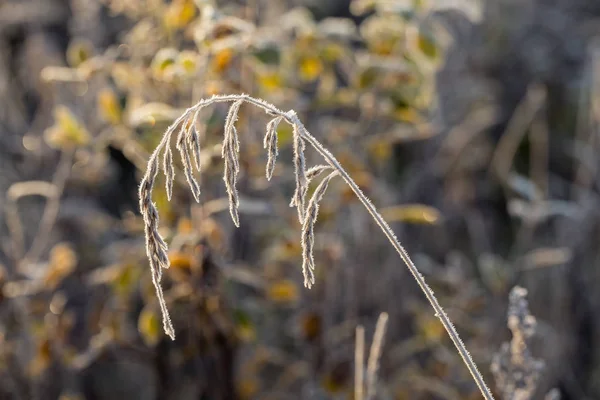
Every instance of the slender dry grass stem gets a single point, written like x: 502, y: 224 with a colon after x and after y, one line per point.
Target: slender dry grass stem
x: 375, y: 355
x: 157, y: 249
x: 359, y: 363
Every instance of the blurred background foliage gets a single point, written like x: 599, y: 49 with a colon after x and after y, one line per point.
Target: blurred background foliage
x: 472, y: 125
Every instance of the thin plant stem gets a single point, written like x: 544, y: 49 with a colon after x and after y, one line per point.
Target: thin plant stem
x: 359, y: 363
x: 375, y: 354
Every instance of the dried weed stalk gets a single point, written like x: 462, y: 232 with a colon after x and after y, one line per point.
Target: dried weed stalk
x: 516, y: 371
x: 375, y: 355
x: 188, y: 141
x: 373, y: 362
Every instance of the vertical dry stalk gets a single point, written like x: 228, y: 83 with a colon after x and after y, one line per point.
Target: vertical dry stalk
x: 375, y: 355
x: 156, y: 248
x: 516, y: 371
x: 359, y: 363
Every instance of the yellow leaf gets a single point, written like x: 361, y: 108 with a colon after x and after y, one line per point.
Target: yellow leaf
x: 403, y: 394
x: 179, y: 14
x: 380, y: 150
x: 287, y: 250
x: 211, y: 230
x: 337, y: 379
x: 151, y: 113
x: 427, y: 46
x: 79, y: 51
x: 412, y: 213
x: 42, y: 359
x: 188, y: 60
x: 63, y: 254
x: 310, y: 68
x: 283, y: 292
x: 246, y: 332
x: 125, y: 76
x: 332, y: 52
x: 212, y: 88
x: 367, y: 78
x: 67, y: 131
x: 149, y: 326
x: 164, y: 63
x: 108, y: 106
x: 408, y: 114
x: 63, y: 261
x: 270, y: 81
x: 221, y: 60
x: 125, y: 280
x: 185, y: 226
x: 71, y: 396
x: 311, y: 326
x: 430, y: 327
x: 384, y: 46
x: 248, y: 388
x: 306, y: 41
x: 180, y: 260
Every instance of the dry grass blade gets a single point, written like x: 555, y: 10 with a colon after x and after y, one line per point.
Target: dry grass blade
x: 270, y: 143
x: 375, y: 355
x: 308, y: 235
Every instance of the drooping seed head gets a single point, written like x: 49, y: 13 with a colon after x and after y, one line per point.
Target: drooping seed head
x: 270, y: 143
x: 308, y: 236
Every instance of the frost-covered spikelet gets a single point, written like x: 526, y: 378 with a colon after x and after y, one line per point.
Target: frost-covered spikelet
x: 169, y: 170
x: 298, y: 199
x: 193, y: 137
x: 184, y: 151
x: 308, y: 235
x: 270, y: 143
x: 229, y: 152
